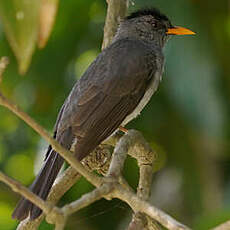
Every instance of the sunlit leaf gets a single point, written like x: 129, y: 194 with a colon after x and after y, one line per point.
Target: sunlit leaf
x: 47, y: 16
x: 20, y: 21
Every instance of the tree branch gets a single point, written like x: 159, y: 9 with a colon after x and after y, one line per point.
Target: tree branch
x: 88, y: 199
x: 67, y: 155
x: 145, y: 163
x: 19, y: 188
x: 139, y: 205
x: 99, y: 159
x: 53, y: 213
x: 116, y: 11
x: 130, y: 198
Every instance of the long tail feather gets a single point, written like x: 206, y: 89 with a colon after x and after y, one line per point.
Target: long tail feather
x: 44, y: 180
x: 41, y: 187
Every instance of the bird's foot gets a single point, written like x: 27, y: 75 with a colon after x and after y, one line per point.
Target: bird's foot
x: 124, y: 130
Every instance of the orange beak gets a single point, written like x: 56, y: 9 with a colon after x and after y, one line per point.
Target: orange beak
x: 177, y: 30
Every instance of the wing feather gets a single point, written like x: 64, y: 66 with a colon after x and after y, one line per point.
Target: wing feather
x: 110, y: 90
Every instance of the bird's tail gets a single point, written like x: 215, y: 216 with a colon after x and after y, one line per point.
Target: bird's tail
x: 41, y: 187
x: 44, y: 180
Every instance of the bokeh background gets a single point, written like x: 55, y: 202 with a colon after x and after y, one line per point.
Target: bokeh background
x: 187, y: 121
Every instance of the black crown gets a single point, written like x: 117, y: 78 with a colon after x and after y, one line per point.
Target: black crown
x: 149, y: 11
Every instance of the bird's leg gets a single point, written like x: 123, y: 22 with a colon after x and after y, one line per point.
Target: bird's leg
x: 124, y: 130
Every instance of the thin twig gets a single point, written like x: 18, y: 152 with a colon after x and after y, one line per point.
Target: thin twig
x: 88, y: 199
x: 62, y: 184
x: 67, y: 155
x: 97, y: 160
x: 54, y: 214
x: 19, y: 188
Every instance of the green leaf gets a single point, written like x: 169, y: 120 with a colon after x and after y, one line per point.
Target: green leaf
x: 20, y: 21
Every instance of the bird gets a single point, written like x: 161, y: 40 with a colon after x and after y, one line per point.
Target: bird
x: 112, y: 91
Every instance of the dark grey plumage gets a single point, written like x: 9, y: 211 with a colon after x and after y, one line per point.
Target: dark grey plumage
x: 112, y: 91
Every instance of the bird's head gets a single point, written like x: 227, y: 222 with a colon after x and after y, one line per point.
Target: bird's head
x: 150, y: 25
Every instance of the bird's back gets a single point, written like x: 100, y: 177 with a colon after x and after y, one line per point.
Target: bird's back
x: 110, y: 89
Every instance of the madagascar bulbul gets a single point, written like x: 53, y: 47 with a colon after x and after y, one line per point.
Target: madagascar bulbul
x: 113, y: 90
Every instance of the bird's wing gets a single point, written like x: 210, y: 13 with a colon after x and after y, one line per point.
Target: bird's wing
x: 110, y: 89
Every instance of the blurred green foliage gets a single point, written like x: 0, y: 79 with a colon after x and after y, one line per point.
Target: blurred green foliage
x: 20, y: 19
x: 187, y: 121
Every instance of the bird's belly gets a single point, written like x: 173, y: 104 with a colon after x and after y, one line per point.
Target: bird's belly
x: 147, y: 96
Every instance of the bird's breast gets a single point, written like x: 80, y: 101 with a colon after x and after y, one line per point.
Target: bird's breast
x: 145, y: 99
